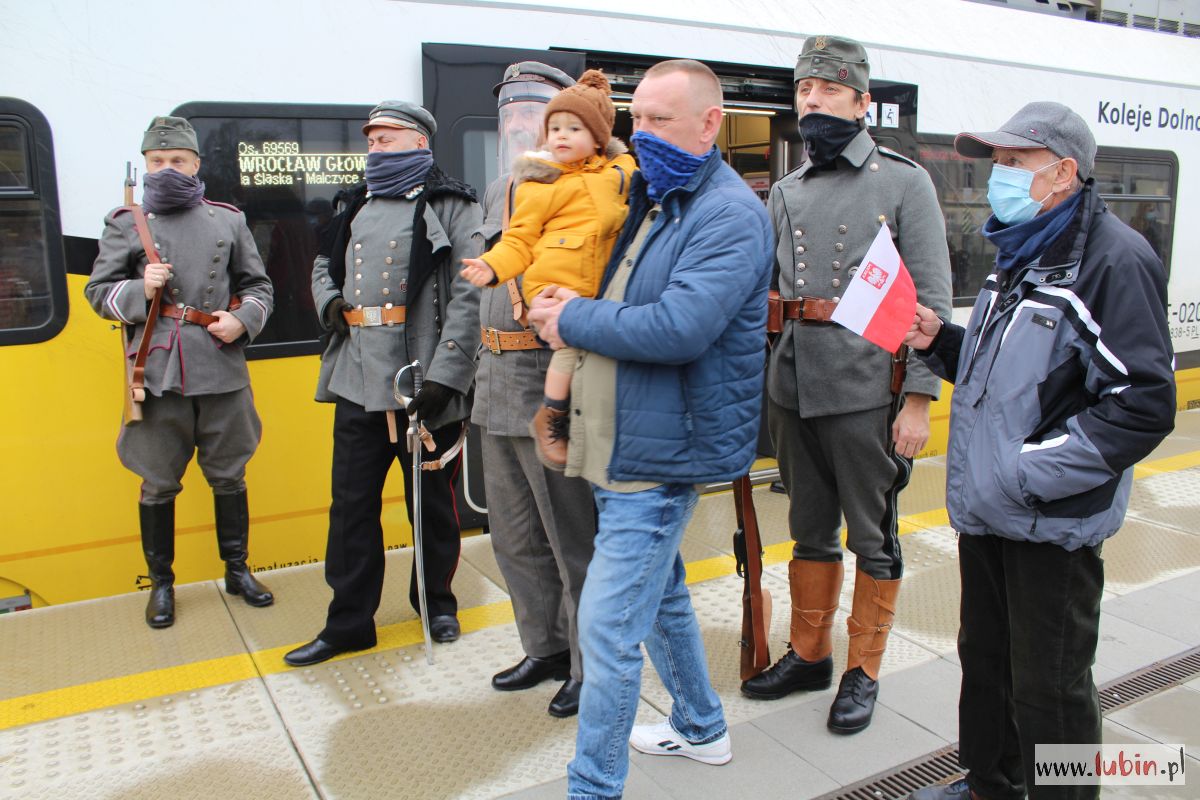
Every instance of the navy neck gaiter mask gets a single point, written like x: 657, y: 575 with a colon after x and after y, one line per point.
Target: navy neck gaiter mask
x: 664, y: 165
x: 396, y: 174
x: 826, y: 136
x: 169, y: 190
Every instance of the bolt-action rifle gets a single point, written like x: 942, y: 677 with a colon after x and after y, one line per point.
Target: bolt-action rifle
x: 756, y: 601
x: 135, y: 370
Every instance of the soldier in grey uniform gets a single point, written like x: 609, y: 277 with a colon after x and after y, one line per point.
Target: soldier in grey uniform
x: 208, y: 258
x: 542, y: 523
x: 386, y: 284
x: 842, y: 448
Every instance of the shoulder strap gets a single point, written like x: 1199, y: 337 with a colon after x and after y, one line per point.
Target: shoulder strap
x: 138, y: 382
x: 514, y: 291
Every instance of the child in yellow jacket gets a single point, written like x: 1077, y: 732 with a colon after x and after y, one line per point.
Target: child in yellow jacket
x: 570, y: 205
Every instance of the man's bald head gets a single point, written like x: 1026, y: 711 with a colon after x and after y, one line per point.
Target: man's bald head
x: 706, y: 87
x: 679, y: 102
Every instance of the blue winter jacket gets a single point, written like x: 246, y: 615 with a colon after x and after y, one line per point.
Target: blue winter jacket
x: 1063, y: 380
x: 690, y: 335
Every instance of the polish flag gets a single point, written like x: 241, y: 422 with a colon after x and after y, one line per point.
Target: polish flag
x: 880, y: 301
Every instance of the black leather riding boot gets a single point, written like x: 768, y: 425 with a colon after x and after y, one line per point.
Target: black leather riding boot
x: 233, y: 533
x: 158, y: 545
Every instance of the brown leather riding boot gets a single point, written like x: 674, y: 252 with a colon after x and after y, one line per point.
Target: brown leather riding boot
x: 549, y: 429
x: 808, y: 663
x: 869, y: 624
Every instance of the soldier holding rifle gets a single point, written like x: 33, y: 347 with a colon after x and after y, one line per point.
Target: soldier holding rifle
x: 214, y: 297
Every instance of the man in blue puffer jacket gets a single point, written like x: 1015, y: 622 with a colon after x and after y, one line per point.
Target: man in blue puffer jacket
x: 667, y: 396
x: 1063, y: 380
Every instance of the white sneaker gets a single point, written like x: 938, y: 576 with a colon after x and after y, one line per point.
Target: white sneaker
x: 662, y: 740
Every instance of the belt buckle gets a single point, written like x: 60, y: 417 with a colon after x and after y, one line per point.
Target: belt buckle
x: 183, y: 312
x: 372, y: 316
x: 493, y: 341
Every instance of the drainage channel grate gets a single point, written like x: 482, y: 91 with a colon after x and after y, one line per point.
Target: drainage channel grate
x: 1152, y: 679
x: 942, y: 766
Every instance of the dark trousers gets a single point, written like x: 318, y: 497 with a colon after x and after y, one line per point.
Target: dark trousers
x: 1030, y: 620
x: 362, y: 456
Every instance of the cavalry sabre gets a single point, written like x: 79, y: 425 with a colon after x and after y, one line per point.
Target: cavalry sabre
x: 415, y: 441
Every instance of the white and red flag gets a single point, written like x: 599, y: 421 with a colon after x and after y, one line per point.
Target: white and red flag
x: 880, y: 301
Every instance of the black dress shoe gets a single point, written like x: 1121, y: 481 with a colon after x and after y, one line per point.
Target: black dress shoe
x: 444, y: 628
x: 531, y: 671
x: 566, y: 700
x: 790, y: 674
x: 855, y: 702
x: 316, y: 651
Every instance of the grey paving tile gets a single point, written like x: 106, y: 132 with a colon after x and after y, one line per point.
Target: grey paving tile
x: 1168, y: 613
x: 1115, y: 733
x: 891, y: 739
x: 1127, y: 647
x: 758, y: 764
x: 1187, y: 586
x: 926, y: 694
x: 1172, y: 717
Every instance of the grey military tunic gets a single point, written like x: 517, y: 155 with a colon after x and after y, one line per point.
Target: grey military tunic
x: 198, y: 386
x: 825, y: 221
x: 442, y: 325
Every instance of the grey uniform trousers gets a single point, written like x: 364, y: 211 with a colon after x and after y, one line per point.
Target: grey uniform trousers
x: 223, y: 428
x: 842, y: 464
x: 542, y: 526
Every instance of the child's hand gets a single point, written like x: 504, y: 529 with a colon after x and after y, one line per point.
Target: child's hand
x: 478, y: 272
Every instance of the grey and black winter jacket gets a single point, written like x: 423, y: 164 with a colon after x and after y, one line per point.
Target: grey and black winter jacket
x: 1063, y: 380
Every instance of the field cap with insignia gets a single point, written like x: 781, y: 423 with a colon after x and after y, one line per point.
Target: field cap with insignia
x: 170, y: 133
x: 1040, y: 124
x: 401, y: 114
x: 532, y: 72
x: 839, y: 60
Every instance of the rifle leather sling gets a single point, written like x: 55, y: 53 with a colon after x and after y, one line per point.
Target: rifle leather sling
x: 137, y: 382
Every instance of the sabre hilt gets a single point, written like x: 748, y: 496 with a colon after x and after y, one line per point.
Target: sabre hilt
x: 417, y: 376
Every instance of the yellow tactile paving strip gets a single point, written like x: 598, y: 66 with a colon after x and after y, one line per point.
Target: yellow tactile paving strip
x: 484, y: 605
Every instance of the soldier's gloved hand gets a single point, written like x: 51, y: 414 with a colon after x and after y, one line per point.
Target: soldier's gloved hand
x: 334, y: 318
x: 431, y: 400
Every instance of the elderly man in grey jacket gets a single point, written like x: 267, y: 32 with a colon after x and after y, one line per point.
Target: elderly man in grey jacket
x: 843, y: 449
x: 386, y: 285
x: 209, y: 258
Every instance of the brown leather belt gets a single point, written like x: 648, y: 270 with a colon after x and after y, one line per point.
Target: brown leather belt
x: 374, y: 316
x: 499, y: 341
x: 803, y: 309
x: 187, y: 314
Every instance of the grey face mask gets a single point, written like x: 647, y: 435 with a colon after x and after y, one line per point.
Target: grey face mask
x: 169, y: 190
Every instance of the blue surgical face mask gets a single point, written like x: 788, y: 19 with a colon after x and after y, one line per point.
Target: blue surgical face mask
x: 1008, y: 193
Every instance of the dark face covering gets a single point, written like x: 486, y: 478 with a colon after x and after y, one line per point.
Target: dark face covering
x: 395, y: 174
x: 825, y: 136
x: 169, y: 190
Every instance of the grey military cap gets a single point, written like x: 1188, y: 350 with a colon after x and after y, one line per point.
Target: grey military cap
x: 535, y: 72
x: 170, y: 133
x: 839, y: 60
x: 401, y: 114
x: 1041, y: 124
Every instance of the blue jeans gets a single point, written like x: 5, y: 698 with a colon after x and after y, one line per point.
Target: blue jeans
x: 634, y: 593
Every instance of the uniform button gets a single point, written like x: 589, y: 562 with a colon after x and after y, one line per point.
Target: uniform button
x: 392, y: 244
x: 436, y: 318
x: 358, y: 276
x: 837, y: 265
x: 836, y: 282
x: 358, y: 245
x: 357, y: 261
x: 175, y: 292
x: 216, y: 259
x: 388, y: 260
x: 151, y: 215
x: 208, y: 290
x: 801, y: 267
x: 357, y: 292
x: 220, y: 242
x: 207, y: 304
x: 212, y: 274
x: 157, y: 246
x: 799, y: 232
x: 841, y: 228
x: 211, y: 213
x: 387, y: 290
x: 839, y: 247
x: 800, y: 248
x: 387, y: 305
x: 836, y: 299
x: 450, y: 345
x: 800, y: 281
x: 874, y: 167
x: 385, y: 275
x: 324, y: 280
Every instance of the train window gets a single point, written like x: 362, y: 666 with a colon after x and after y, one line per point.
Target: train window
x: 282, y: 165
x: 33, y: 297
x: 1140, y: 189
x: 961, y: 185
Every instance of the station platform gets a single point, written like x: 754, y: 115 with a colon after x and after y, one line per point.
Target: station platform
x: 93, y: 704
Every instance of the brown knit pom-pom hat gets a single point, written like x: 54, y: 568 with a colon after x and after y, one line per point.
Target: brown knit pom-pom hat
x: 588, y: 99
